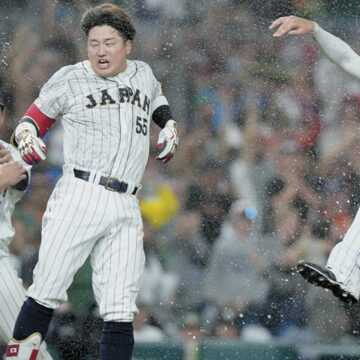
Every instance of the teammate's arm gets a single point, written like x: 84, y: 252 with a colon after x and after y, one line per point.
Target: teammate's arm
x: 334, y: 48
x: 11, y: 174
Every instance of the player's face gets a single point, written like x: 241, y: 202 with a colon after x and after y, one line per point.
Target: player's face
x: 107, y: 50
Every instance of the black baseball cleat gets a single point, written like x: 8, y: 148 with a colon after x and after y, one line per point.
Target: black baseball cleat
x: 319, y: 276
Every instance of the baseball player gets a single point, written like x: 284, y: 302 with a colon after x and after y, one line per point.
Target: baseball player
x: 105, y: 105
x: 342, y: 272
x: 14, y: 177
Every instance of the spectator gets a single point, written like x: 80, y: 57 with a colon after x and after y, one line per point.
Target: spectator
x: 234, y: 277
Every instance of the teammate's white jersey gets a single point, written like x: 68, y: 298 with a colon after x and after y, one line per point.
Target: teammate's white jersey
x: 344, y: 257
x: 7, y: 204
x: 338, y: 51
x: 92, y: 109
x: 12, y: 293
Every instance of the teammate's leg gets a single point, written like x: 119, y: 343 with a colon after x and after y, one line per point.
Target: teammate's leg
x: 12, y: 296
x: 344, y: 258
x: 118, y: 263
x: 342, y: 272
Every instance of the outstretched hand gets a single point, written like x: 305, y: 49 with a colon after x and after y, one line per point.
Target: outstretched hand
x: 292, y: 25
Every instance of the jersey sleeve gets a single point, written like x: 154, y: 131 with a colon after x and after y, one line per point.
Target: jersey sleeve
x: 158, y: 98
x: 338, y: 51
x: 53, y: 95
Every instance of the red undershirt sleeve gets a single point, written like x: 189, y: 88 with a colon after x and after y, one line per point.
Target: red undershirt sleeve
x: 41, y: 121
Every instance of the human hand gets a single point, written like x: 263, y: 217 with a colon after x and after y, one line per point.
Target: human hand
x: 32, y: 149
x: 11, y: 173
x: 5, y: 155
x: 168, y: 135
x: 292, y: 25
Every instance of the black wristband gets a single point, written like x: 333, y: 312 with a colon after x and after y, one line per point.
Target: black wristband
x: 161, y: 115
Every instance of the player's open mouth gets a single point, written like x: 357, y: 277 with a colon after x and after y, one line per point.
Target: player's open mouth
x: 103, y: 64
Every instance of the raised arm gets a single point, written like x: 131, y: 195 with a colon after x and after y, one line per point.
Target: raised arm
x: 334, y: 48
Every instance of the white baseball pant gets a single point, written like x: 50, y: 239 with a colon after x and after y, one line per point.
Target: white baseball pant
x: 12, y: 296
x: 83, y: 218
x: 344, y: 259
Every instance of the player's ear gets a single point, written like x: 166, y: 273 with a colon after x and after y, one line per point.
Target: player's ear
x: 128, y: 46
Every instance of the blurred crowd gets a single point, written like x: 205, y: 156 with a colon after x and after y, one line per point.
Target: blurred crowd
x: 267, y: 172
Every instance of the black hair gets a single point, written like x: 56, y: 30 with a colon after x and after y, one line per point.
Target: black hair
x: 108, y: 14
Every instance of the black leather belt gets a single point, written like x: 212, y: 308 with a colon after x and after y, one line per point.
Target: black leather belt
x: 108, y: 182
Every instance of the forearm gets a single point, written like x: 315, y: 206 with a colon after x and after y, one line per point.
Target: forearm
x: 162, y: 115
x: 338, y: 51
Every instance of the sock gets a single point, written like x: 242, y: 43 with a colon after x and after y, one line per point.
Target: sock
x: 117, y: 341
x: 32, y: 318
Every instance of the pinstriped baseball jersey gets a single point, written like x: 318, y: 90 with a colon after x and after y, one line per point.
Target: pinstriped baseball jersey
x: 344, y: 257
x: 106, y: 120
x: 106, y: 125
x: 7, y: 204
x: 12, y: 293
